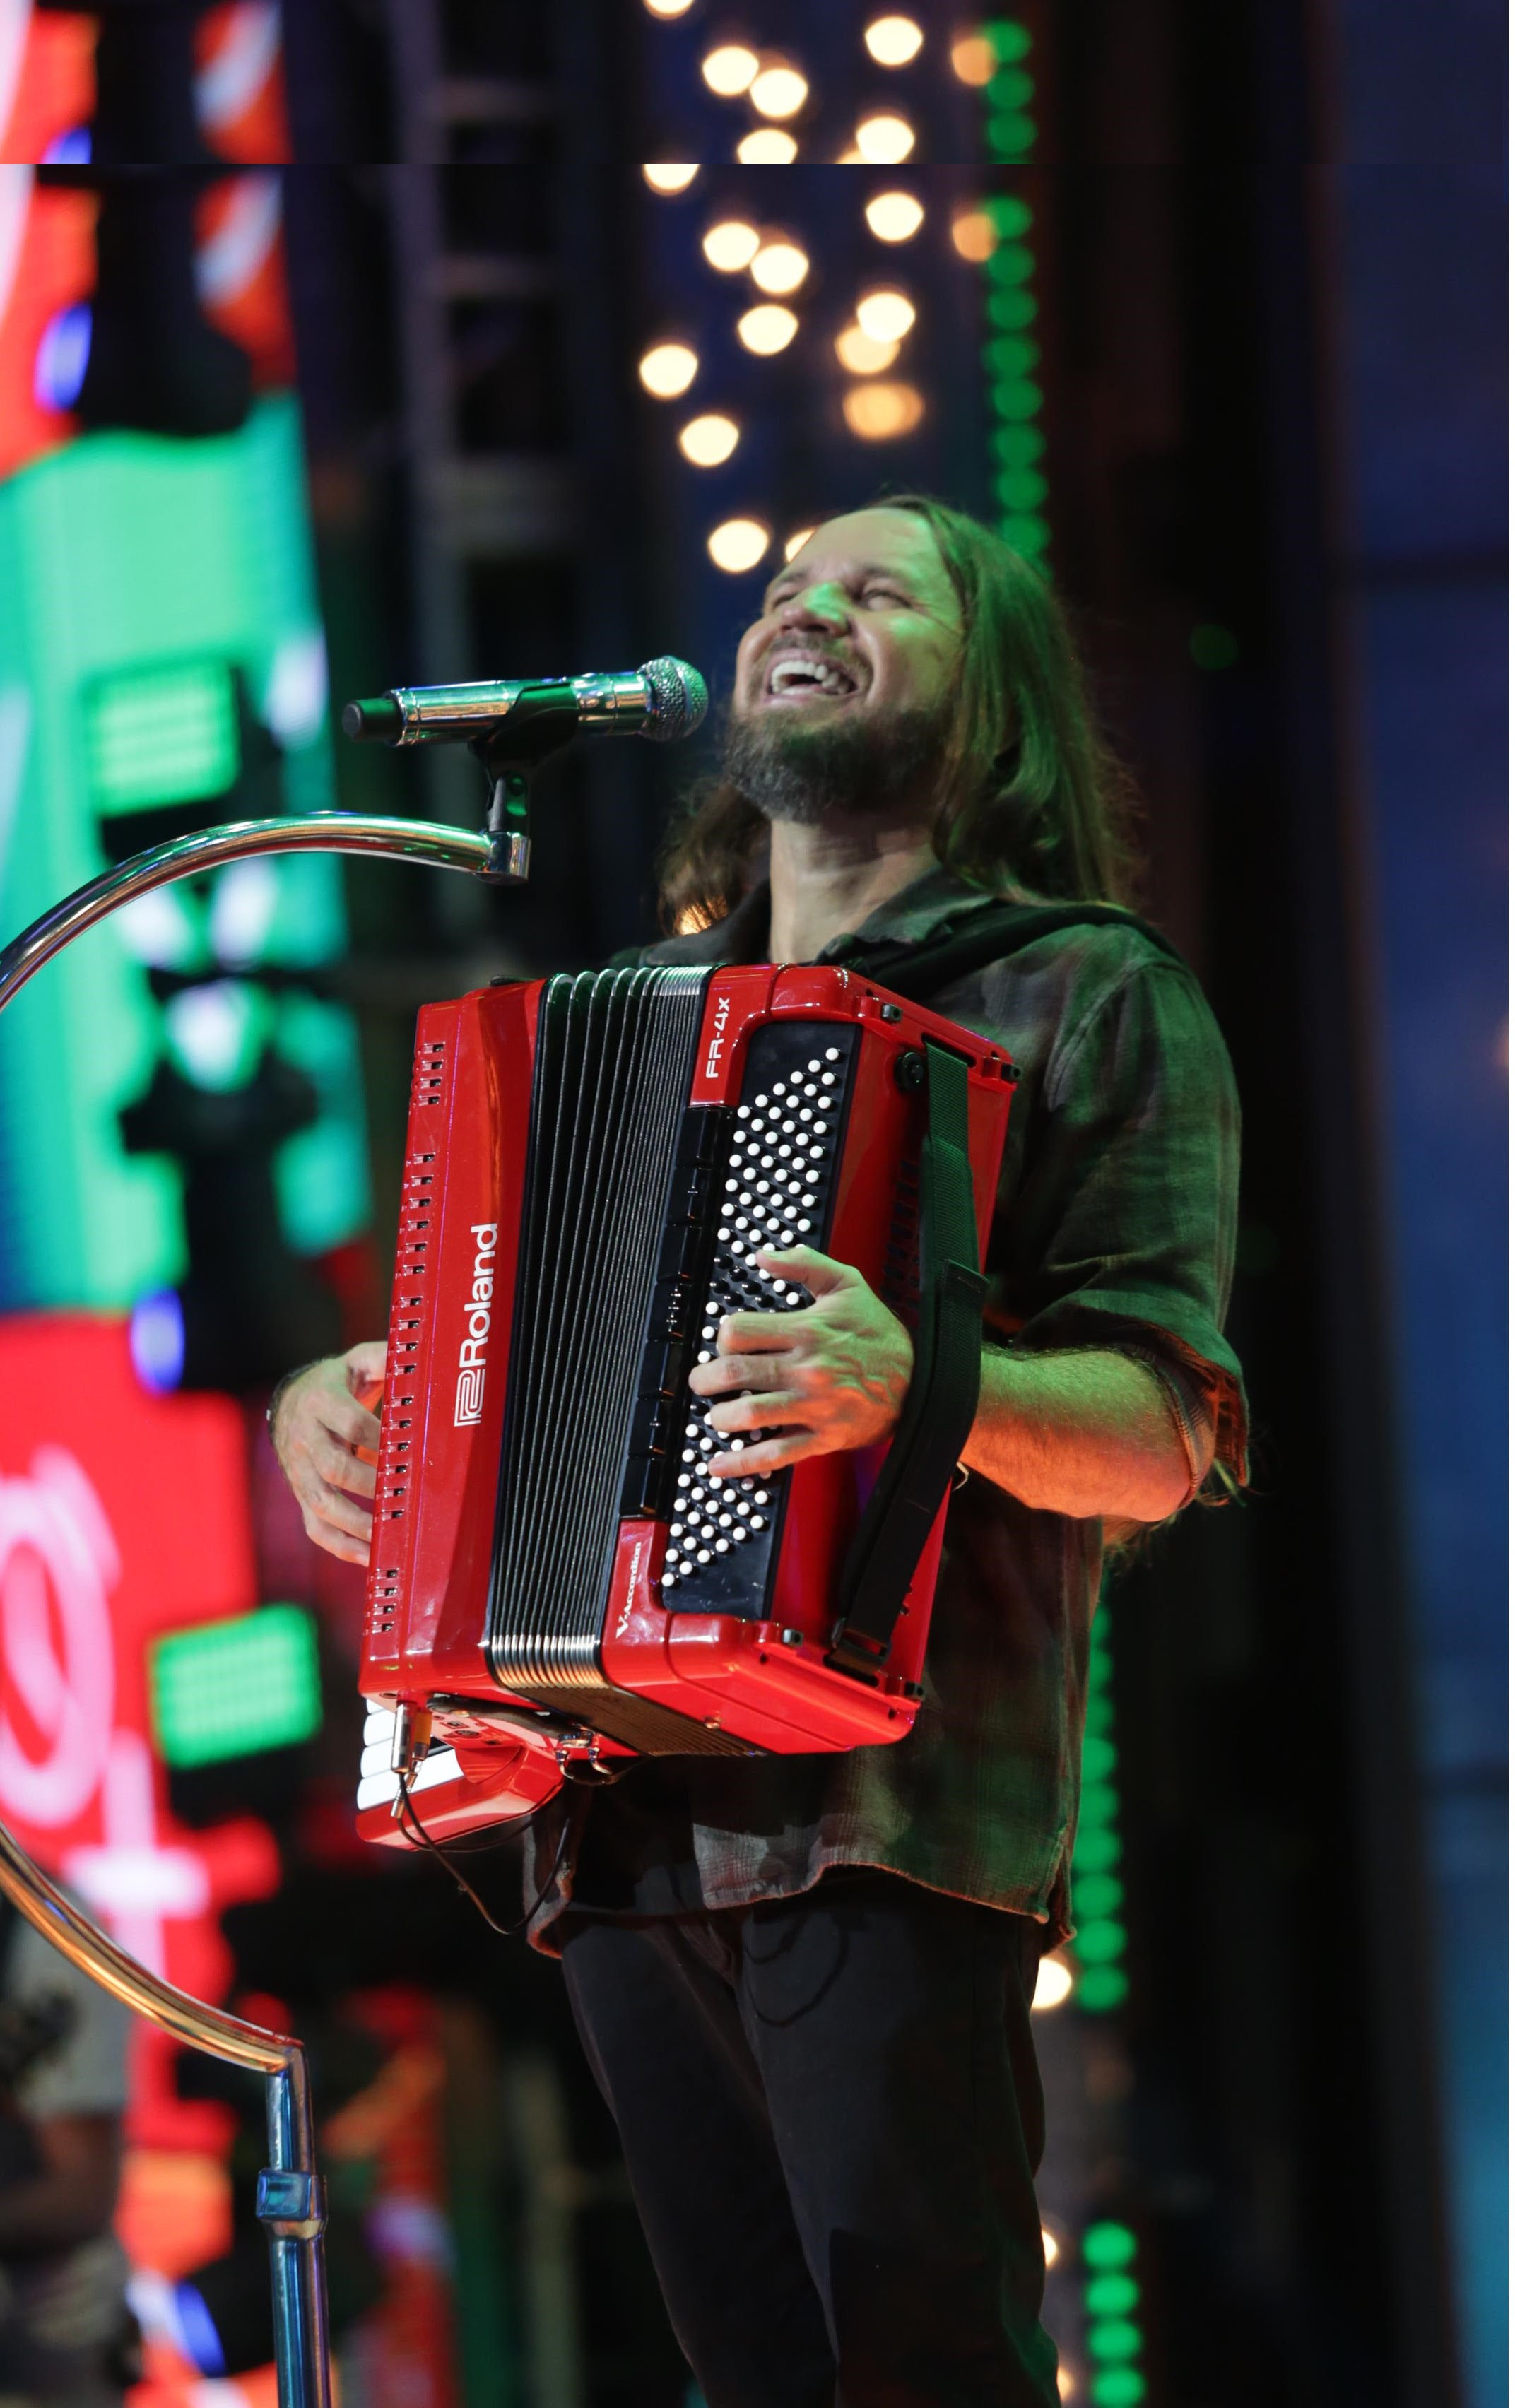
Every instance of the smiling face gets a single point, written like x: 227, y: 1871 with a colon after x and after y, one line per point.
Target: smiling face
x: 844, y: 685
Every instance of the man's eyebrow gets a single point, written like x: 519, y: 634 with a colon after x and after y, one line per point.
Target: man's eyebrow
x: 861, y: 569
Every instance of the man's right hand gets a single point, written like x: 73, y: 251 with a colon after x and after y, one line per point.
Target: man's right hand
x: 322, y: 1417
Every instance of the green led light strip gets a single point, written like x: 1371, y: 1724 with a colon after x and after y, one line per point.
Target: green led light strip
x: 1012, y: 355
x: 1112, y: 2296
x: 1098, y: 1892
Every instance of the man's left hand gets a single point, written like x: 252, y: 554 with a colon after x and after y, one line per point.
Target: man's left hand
x: 829, y: 1377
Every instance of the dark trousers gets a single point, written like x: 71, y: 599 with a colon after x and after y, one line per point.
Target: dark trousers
x: 832, y: 2115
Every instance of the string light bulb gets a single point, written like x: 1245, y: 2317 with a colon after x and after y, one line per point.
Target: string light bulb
x: 668, y: 369
x: 768, y: 328
x: 708, y: 441
x: 974, y: 235
x: 1053, y: 1984
x: 780, y: 267
x: 737, y: 545
x: 887, y: 316
x: 664, y: 176
x: 893, y: 41
x: 729, y: 70
x: 884, y: 139
x: 778, y: 91
x: 877, y: 413
x: 973, y: 59
x: 861, y: 355
x: 895, y: 217
x: 768, y: 146
x: 731, y: 246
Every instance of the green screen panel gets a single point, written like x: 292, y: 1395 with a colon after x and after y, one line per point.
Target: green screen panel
x: 165, y: 735
x: 235, y: 1688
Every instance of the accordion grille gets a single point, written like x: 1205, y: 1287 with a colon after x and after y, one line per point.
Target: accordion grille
x: 614, y: 1054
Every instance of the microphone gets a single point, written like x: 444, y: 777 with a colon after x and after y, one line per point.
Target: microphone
x: 664, y: 700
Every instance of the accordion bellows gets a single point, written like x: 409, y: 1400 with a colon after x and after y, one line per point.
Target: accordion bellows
x: 593, y: 1163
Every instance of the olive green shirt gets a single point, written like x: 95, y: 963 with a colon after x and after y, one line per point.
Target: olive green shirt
x: 1113, y: 1229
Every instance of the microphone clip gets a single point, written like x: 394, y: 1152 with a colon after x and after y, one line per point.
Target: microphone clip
x: 540, y: 722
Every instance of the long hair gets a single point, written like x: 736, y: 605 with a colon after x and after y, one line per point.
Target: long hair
x: 1028, y: 794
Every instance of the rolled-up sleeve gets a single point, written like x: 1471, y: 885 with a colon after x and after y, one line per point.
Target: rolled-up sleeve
x: 1123, y: 1232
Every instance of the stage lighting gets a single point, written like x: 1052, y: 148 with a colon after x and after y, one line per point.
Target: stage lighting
x: 739, y: 544
x: 974, y: 236
x: 797, y: 541
x: 893, y: 41
x: 973, y: 59
x: 895, y: 217
x: 885, y: 140
x: 731, y: 246
x: 707, y: 441
x: 1050, y: 2252
x: 667, y: 7
x: 768, y: 328
x: 780, y: 267
x: 217, y: 1032
x: 768, y: 146
x: 1053, y: 1983
x: 887, y: 316
x: 157, y: 1340
x: 878, y: 412
x: 668, y: 369
x: 664, y: 176
x: 730, y: 69
x: 778, y: 92
x: 861, y: 354
x: 1068, y: 2383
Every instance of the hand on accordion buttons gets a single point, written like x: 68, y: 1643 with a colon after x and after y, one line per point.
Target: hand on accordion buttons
x: 829, y: 1376
x: 322, y: 1423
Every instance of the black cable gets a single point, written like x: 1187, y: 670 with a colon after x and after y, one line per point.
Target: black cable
x: 420, y: 1836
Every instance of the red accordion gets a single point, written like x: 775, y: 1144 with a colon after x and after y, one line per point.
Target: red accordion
x: 555, y: 1581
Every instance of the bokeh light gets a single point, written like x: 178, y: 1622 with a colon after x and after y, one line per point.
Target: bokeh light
x: 1049, y: 2250
x: 766, y: 146
x: 878, y: 412
x: 884, y: 139
x: 778, y: 92
x: 768, y: 328
x: 664, y: 176
x: 887, y: 316
x: 780, y: 267
x: 739, y: 544
x: 894, y: 41
x: 973, y: 59
x: 895, y: 217
x: 668, y: 369
x: 709, y: 441
x: 731, y: 245
x: 730, y: 69
x: 974, y: 236
x: 797, y: 541
x: 667, y: 7
x: 1053, y: 1984
x: 862, y: 353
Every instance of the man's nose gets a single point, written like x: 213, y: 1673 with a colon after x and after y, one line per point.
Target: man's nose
x: 815, y: 606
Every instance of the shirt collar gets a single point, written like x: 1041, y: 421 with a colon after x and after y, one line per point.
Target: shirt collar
x: 931, y: 902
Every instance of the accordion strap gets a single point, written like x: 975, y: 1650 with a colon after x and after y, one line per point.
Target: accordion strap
x: 920, y: 969
x: 943, y: 1394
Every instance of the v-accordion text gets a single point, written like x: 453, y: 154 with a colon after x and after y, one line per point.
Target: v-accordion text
x: 555, y: 1580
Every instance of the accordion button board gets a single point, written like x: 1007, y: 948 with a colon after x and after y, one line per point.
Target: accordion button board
x: 595, y: 1167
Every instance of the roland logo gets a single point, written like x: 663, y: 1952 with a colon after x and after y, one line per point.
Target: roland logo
x: 718, y: 1038
x: 480, y: 1305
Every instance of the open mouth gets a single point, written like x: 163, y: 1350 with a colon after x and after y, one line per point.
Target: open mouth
x: 806, y: 673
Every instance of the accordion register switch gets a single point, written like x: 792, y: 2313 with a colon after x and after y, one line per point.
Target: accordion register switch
x: 556, y: 1582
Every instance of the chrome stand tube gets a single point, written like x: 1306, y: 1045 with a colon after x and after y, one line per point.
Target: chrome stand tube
x: 290, y: 2194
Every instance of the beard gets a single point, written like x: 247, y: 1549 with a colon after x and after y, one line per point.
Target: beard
x: 847, y: 768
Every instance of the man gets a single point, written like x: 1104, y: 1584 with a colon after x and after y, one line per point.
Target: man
x: 803, y: 1982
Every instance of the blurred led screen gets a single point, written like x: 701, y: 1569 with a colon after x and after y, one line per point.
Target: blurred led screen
x: 236, y: 1687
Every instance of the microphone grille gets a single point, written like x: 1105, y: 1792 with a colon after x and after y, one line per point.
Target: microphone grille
x: 680, y: 699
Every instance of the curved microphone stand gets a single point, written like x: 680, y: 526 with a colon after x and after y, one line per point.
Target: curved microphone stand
x: 290, y: 2194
